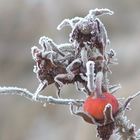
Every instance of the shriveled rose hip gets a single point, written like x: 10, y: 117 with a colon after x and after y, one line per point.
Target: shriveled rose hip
x: 95, y: 105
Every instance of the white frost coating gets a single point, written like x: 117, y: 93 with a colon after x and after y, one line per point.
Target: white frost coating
x: 128, y: 100
x: 100, y: 12
x: 15, y: 90
x: 68, y: 22
x: 84, y: 56
x: 39, y: 89
x: 90, y: 76
x: 108, y: 106
x: 114, y: 88
x: 92, y: 15
x: 65, y: 22
x: 66, y: 47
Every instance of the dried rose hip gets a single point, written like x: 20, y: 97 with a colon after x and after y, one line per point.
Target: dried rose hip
x: 95, y: 106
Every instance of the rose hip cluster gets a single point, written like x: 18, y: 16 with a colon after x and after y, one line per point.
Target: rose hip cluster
x: 84, y: 61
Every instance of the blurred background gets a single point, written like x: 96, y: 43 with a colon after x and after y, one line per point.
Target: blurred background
x: 22, y: 23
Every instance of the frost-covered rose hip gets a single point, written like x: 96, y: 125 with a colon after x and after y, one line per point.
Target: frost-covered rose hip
x: 95, y: 105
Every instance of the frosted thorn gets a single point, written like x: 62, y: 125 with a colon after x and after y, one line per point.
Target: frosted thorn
x: 84, y: 56
x: 56, y: 79
x: 84, y: 77
x: 114, y: 88
x: 34, y: 51
x: 41, y: 86
x: 53, y: 46
x: 66, y: 47
x: 65, y: 22
x: 112, y: 53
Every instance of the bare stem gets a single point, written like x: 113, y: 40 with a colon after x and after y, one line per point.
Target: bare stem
x: 40, y: 98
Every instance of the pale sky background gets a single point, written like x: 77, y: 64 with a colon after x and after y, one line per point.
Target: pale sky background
x: 22, y: 23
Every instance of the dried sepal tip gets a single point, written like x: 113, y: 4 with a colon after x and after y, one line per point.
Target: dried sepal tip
x: 86, y: 116
x: 68, y: 22
x: 90, y: 67
x: 100, y: 12
x: 108, y: 115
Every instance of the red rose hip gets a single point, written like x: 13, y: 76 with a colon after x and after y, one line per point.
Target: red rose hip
x: 95, y: 105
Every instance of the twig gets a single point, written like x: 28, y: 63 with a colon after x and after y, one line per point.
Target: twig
x: 40, y: 98
x: 128, y: 100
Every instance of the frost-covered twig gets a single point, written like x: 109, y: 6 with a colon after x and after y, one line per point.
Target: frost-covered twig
x: 129, y: 99
x: 40, y: 98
